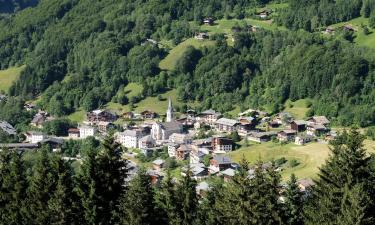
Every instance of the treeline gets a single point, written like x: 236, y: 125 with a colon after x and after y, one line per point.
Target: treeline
x: 312, y: 15
x: 47, y: 190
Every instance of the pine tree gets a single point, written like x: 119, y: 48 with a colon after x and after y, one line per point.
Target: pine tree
x: 187, y: 197
x: 41, y: 188
x: 347, y: 167
x: 101, y: 182
x: 140, y: 191
x: 12, y: 188
x: 293, y: 202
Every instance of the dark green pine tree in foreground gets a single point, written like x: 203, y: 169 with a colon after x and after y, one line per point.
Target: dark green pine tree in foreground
x: 137, y: 206
x: 293, y: 202
x: 344, y: 193
x: 101, y: 183
x: 13, y: 186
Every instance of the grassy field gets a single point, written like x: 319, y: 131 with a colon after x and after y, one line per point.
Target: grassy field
x: 169, y: 62
x: 7, y: 77
x: 361, y: 39
x: 297, y: 109
x: 77, y: 116
x: 133, y: 89
x: 310, y: 157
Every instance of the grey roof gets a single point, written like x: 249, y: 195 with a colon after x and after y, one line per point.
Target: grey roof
x: 53, y: 140
x: 227, y: 122
x: 262, y: 134
x: 211, y: 112
x: 20, y: 145
x: 221, y: 159
x: 229, y: 172
x: 7, y: 128
x: 171, y: 125
x: 147, y: 138
x: 203, y: 186
x: 158, y: 162
x: 321, y: 119
x: 38, y: 118
x: 300, y: 122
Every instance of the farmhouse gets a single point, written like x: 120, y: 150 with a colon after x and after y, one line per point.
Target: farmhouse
x: 201, y: 36
x: 226, y: 125
x: 209, y: 116
x: 319, y: 120
x: 261, y: 136
x: 303, y: 139
x: 316, y: 129
x: 73, y: 133
x: 286, y: 135
x: 35, y: 137
x: 219, y: 163
x: 208, y: 21
x: 183, y: 152
x: 298, y: 125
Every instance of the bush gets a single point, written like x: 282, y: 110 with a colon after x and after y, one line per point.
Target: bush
x: 293, y: 163
x: 280, y: 161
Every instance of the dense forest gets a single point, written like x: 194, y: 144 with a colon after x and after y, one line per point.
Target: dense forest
x: 47, y: 190
x: 11, y: 6
x: 81, y: 54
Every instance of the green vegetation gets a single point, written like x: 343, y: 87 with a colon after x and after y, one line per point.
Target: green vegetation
x: 9, y: 76
x: 310, y: 156
x: 298, y: 109
x: 169, y: 62
x: 77, y: 116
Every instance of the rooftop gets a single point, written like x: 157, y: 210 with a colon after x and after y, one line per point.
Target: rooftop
x: 227, y: 122
x: 7, y: 128
x: 222, y: 159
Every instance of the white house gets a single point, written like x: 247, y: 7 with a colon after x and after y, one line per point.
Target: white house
x: 129, y: 138
x: 226, y: 125
x: 35, y: 137
x: 86, y: 131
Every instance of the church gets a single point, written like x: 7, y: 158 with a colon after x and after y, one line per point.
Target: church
x: 162, y: 131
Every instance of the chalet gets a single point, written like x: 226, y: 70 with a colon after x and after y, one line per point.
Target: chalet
x: 261, y: 136
x: 148, y: 115
x: 129, y: 138
x: 298, y: 125
x: 35, y: 137
x: 273, y: 124
x: 329, y: 30
x: 39, y: 119
x: 209, y: 116
x: 226, y: 125
x: 201, y: 36
x: 348, y: 27
x: 73, y: 133
x: 180, y: 138
x: 158, y: 164
x: 286, y: 135
x: 245, y: 125
x: 183, y: 152
x: 283, y: 118
x: 162, y: 131
x: 208, y: 21
x: 7, y: 128
x: 86, y: 131
x: 104, y: 126
x: 319, y: 120
x: 219, y: 163
x: 303, y: 139
x: 264, y: 14
x: 228, y: 174
x: 222, y: 144
x: 316, y: 130
x: 146, y: 142
x: 97, y: 116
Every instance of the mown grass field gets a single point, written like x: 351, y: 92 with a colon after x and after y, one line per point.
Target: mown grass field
x: 310, y: 156
x: 169, y: 62
x: 77, y: 116
x: 361, y: 39
x: 8, y: 76
x: 297, y: 109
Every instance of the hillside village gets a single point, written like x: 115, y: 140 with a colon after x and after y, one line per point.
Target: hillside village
x: 200, y: 141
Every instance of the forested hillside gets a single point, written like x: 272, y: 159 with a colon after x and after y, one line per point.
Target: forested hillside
x: 81, y: 54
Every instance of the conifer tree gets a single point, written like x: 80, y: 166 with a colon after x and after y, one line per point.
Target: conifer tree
x: 187, y: 197
x: 346, y: 171
x: 140, y: 191
x: 12, y: 188
x: 101, y: 183
x: 293, y: 202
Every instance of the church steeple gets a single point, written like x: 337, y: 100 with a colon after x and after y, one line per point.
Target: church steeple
x: 170, y: 111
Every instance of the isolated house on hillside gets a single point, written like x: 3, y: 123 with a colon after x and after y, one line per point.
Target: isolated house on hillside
x: 208, y: 21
